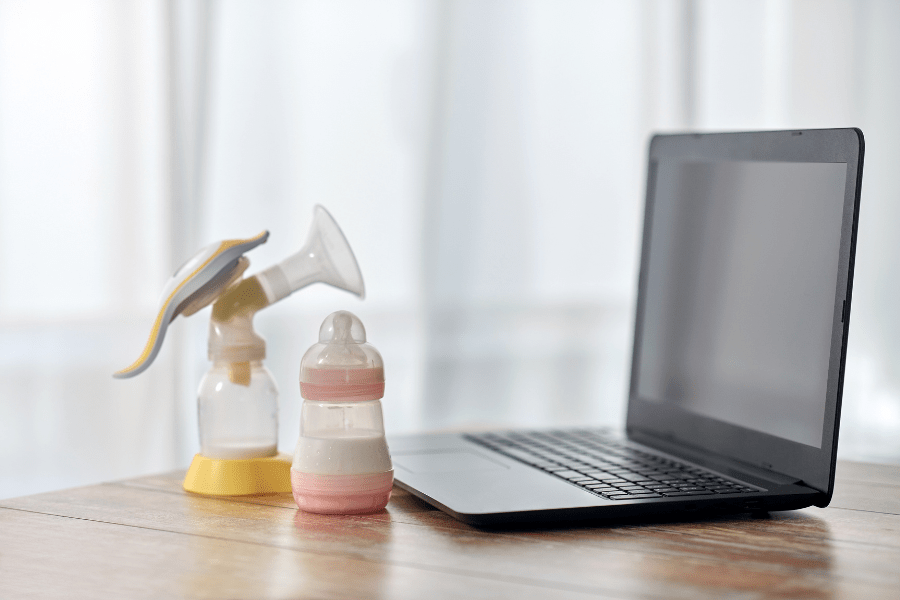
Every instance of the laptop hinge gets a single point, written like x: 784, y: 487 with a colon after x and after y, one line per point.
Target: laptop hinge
x: 716, y: 462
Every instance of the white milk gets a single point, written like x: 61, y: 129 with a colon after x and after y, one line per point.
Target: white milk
x: 342, y: 452
x: 239, y: 449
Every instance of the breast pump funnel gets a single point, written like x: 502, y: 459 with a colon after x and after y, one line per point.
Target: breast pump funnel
x: 325, y: 258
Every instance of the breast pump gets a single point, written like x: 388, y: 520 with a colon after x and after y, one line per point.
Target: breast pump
x: 238, y: 398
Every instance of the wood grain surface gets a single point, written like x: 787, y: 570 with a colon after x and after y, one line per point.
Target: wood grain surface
x: 146, y: 538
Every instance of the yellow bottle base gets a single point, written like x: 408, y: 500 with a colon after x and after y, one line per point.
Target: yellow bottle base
x: 239, y: 477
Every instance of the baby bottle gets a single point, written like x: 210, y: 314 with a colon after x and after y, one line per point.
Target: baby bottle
x: 342, y: 464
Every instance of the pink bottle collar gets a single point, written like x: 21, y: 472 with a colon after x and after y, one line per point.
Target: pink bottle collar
x: 355, y: 385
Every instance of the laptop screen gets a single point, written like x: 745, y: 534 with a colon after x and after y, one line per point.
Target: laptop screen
x: 740, y: 288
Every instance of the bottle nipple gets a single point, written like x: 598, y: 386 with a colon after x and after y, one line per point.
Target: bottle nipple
x: 342, y: 366
x: 342, y: 323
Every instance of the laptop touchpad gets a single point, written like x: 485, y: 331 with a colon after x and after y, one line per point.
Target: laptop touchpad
x: 444, y: 462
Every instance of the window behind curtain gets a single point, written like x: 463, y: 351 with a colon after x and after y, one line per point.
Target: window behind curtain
x: 485, y: 160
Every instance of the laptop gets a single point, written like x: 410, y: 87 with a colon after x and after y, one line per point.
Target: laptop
x: 740, y: 338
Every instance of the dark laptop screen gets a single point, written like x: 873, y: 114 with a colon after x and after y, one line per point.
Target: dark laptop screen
x: 740, y: 289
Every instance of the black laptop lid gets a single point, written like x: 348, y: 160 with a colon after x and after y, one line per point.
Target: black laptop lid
x: 744, y: 295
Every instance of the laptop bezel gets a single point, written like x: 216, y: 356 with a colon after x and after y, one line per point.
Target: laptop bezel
x: 648, y: 419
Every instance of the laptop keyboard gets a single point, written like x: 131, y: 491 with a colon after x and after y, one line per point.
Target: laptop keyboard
x: 606, y: 466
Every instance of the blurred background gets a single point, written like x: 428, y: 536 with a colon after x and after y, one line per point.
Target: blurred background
x: 484, y: 158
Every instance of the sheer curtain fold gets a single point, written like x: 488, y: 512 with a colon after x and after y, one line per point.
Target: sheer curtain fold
x: 83, y: 243
x: 484, y: 158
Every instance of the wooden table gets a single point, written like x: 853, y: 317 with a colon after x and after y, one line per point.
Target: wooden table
x: 146, y: 538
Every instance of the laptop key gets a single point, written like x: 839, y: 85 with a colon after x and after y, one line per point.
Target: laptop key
x: 634, y: 497
x: 690, y: 493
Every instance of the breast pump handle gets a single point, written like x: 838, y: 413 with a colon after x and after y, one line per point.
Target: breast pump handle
x: 210, y: 276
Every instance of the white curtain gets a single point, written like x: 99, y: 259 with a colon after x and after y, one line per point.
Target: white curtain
x: 484, y: 158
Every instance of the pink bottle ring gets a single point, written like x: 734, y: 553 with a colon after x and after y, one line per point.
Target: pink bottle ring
x: 342, y: 494
x: 342, y: 384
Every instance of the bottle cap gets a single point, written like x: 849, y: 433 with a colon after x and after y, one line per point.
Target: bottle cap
x: 342, y: 366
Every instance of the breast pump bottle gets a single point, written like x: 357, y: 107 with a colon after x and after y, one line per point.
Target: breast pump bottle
x: 238, y: 399
x: 341, y: 463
